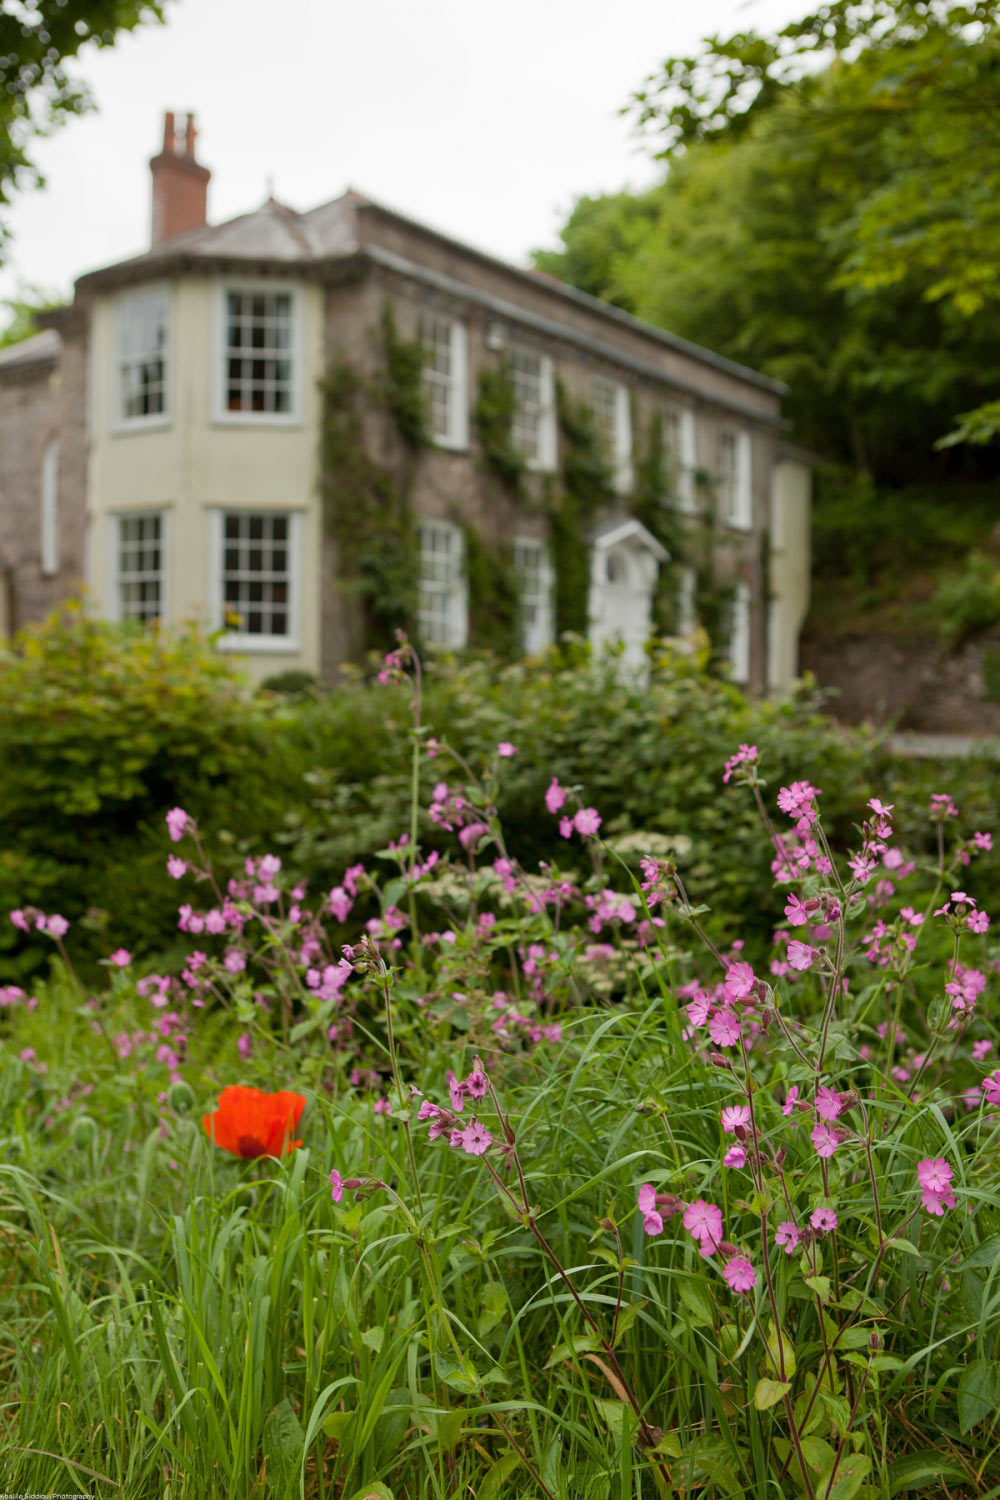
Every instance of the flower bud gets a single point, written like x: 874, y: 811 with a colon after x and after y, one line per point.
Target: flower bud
x: 180, y: 1097
x: 84, y: 1132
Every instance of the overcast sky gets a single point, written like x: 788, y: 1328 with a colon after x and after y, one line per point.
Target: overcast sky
x: 483, y: 120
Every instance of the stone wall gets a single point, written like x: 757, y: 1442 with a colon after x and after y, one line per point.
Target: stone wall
x: 912, y: 683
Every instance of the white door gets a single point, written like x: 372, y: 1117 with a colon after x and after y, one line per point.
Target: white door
x: 621, y: 598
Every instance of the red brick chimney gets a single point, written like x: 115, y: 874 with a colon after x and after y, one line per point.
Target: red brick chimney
x: 180, y: 185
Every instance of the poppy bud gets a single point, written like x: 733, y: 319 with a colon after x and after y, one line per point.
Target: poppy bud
x: 180, y: 1097
x: 84, y: 1132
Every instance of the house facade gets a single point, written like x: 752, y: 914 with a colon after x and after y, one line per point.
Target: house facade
x: 225, y: 429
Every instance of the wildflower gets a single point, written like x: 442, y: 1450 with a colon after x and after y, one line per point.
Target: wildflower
x: 736, y: 1156
x: 800, y: 955
x: 506, y: 750
x: 587, y: 820
x: 235, y: 961
x: 177, y: 823
x: 934, y: 1176
x: 735, y: 1117
x: 787, y: 1235
x: 981, y: 1049
x: 983, y: 841
x: 796, y: 911
x: 739, y: 1274
x: 704, y: 1222
x: 823, y: 1220
x: 700, y: 1008
x: 56, y: 926
x: 977, y: 921
x: 121, y: 958
x: 244, y: 1044
x: 555, y: 796
x: 176, y: 867
x: 746, y: 755
x: 791, y: 1099
x: 250, y: 1123
x: 724, y: 1028
x: 566, y: 828
x: 879, y: 809
x: 336, y: 1186
x: 825, y: 1139
x: 652, y: 1220
x: 475, y: 1138
x: 942, y: 807
x: 828, y: 1103
x: 340, y: 903
x: 739, y: 981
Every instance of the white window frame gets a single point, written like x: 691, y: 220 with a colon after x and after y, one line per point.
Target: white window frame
x: 115, y: 520
x: 535, y: 637
x: 682, y: 453
x: 49, y: 510
x: 687, y: 611
x: 543, y: 460
x: 455, y: 383
x: 737, y: 496
x: 120, y: 421
x: 220, y: 354
x: 739, y: 634
x: 451, y: 594
x: 235, y: 640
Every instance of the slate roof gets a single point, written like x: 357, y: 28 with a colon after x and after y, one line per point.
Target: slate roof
x: 39, y: 349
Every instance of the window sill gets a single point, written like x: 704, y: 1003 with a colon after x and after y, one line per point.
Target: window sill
x: 129, y: 426
x: 264, y: 645
x: 257, y: 419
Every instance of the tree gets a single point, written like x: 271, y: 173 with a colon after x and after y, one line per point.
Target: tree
x: 816, y: 183
x: 37, y: 92
x: 22, y: 313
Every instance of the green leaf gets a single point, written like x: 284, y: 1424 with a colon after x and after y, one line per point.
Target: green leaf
x: 620, y: 1418
x: 374, y: 1490
x: 494, y: 1305
x: 781, y: 1354
x: 917, y: 1470
x: 985, y: 1255
x: 373, y: 1338
x: 492, y: 1487
x: 459, y: 1374
x: 768, y: 1392
x: 282, y: 1442
x: 582, y: 1343
x: 978, y: 1393
x: 851, y: 1474
x: 821, y: 1285
x: 695, y: 1297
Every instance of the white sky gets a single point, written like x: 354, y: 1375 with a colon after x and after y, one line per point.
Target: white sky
x: 483, y: 120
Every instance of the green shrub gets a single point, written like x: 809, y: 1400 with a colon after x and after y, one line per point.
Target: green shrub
x: 968, y: 600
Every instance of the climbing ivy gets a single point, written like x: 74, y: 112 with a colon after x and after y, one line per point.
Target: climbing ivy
x: 586, y: 485
x: 493, y: 418
x: 404, y: 386
x: 494, y: 596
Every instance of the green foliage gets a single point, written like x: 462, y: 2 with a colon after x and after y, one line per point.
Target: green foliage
x: 493, y: 418
x: 37, y: 91
x: 585, y: 486
x: 367, y: 507
x: 405, y: 389
x: 23, y: 312
x: 294, y: 682
x: 969, y: 600
x: 494, y: 596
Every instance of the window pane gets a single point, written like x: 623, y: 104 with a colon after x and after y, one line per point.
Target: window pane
x: 259, y: 323
x: 256, y: 575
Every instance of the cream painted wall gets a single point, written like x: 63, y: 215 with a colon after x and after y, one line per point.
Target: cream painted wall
x: 788, y: 569
x: 198, y: 461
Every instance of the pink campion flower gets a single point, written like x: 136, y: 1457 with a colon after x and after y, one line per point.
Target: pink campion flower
x: 828, y: 1103
x: 646, y: 1197
x: 235, y: 961
x: 336, y: 1186
x: 177, y: 822
x: 861, y: 867
x: 981, y: 1049
x: 825, y: 1139
x: 724, y: 1028
x: 880, y: 809
x: 555, y: 796
x: 566, y: 827
x: 340, y: 903
x: 176, y: 867
x: 800, y: 955
x: 942, y: 807
x: 244, y: 1044
x: 739, y: 1274
x: 934, y: 1173
x: 506, y: 750
x: 977, y: 921
x: 991, y: 1089
x: 983, y: 841
x: 652, y: 1222
x: 791, y: 1099
x: 735, y: 1116
x: 56, y: 926
x: 704, y: 1222
x: 796, y: 911
x: 739, y: 980
x: 587, y: 820
x: 823, y: 1220
x: 736, y: 1156
x: 20, y: 920
x: 121, y: 958
x: 787, y: 1236
x: 746, y: 755
x: 700, y: 1008
x: 799, y: 802
x: 475, y: 1138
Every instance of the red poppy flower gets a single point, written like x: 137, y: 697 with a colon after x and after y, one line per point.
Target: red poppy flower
x: 250, y: 1123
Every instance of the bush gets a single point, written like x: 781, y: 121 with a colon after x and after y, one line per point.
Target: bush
x: 968, y: 600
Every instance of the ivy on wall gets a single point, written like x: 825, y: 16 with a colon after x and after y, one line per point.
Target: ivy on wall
x: 494, y: 596
x: 493, y: 419
x: 584, y: 486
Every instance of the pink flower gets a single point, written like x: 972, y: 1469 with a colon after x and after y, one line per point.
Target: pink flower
x: 739, y: 980
x: 981, y: 1049
x: 340, y: 903
x: 506, y: 750
x: 942, y: 807
x: 880, y: 809
x: 566, y: 827
x: 587, y: 820
x: 790, y: 1099
x: 825, y: 1139
x: 177, y: 822
x: 121, y: 958
x: 20, y: 920
x: 739, y: 1274
x: 934, y: 1174
x: 735, y: 1116
x: 977, y: 921
x: 704, y: 1222
x: 823, y: 1220
x: 795, y: 911
x: 828, y: 1103
x: 700, y: 1008
x: 724, y: 1028
x: 555, y: 796
x: 475, y: 1138
x: 800, y: 955
x: 746, y: 755
x: 652, y: 1222
x: 983, y: 841
x: 336, y: 1186
x: 787, y: 1235
x: 56, y: 926
x: 736, y: 1156
x: 647, y: 1198
x: 234, y: 961
x: 243, y: 1046
x: 176, y: 867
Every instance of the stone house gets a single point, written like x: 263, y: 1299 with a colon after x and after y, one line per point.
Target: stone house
x: 299, y: 426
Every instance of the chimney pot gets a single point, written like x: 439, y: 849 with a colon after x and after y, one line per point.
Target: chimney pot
x: 180, y: 183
